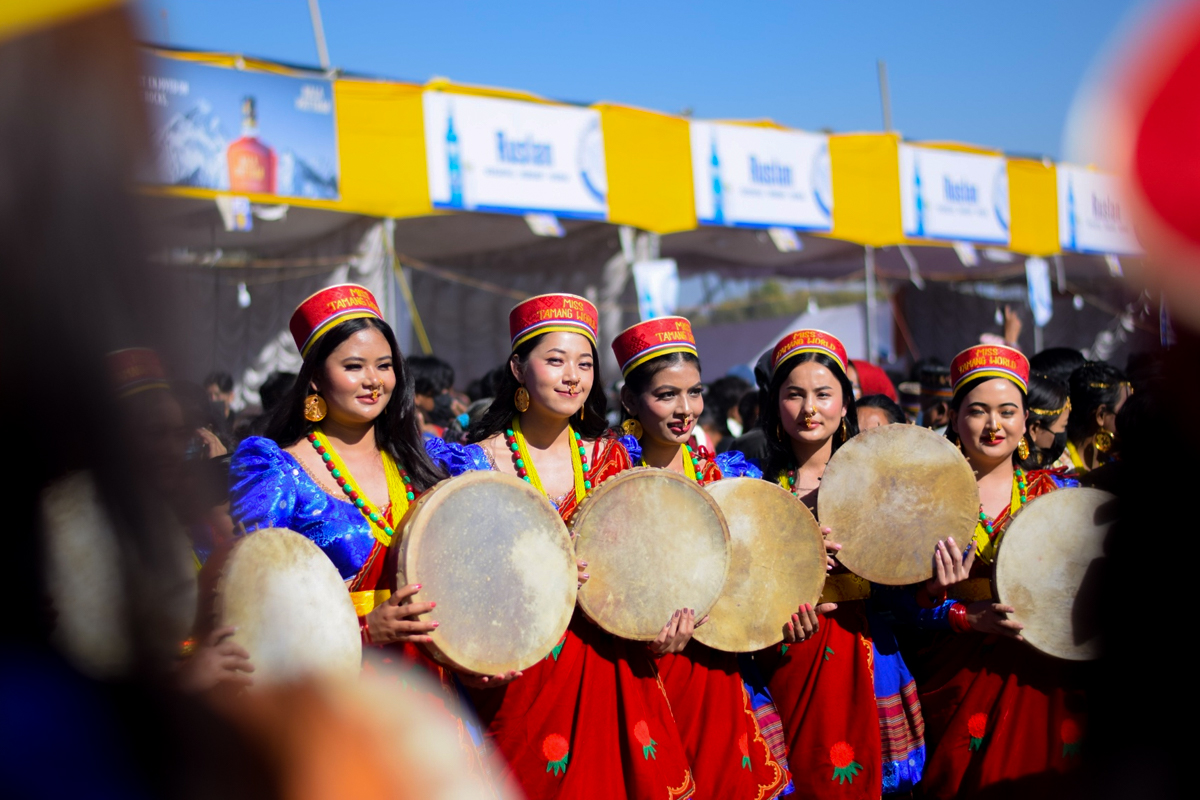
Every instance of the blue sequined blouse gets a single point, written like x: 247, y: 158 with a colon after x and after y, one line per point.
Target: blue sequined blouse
x: 269, y: 489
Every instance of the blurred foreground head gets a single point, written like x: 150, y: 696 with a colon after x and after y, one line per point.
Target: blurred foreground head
x: 72, y: 275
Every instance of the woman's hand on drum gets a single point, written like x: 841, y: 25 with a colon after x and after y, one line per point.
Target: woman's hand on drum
x: 492, y: 682
x: 677, y: 632
x: 217, y: 661
x: 988, y: 617
x: 395, y: 620
x: 950, y: 566
x: 580, y: 566
x: 831, y: 549
x: 805, y: 622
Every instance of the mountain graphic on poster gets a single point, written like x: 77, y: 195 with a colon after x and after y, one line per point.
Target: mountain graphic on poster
x: 191, y: 148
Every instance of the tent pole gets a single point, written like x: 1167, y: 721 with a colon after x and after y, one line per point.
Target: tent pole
x: 869, y: 270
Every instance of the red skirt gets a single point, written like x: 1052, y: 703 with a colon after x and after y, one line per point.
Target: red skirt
x: 824, y: 689
x: 999, y: 712
x: 591, y: 720
x: 720, y: 731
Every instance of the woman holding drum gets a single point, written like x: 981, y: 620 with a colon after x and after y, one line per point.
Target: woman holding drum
x: 996, y: 709
x: 663, y: 397
x: 851, y: 717
x: 591, y: 719
x: 341, y: 461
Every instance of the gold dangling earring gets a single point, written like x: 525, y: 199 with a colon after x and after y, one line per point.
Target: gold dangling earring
x: 521, y: 399
x: 1022, y: 449
x: 1103, y: 440
x: 631, y: 427
x: 315, y: 408
x: 845, y: 431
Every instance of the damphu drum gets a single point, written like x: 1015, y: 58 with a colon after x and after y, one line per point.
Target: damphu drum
x: 495, y: 556
x: 1048, y: 567
x: 654, y: 542
x: 292, y: 610
x: 890, y: 494
x: 778, y: 562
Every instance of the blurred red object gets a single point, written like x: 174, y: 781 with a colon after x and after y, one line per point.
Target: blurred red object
x: 874, y: 380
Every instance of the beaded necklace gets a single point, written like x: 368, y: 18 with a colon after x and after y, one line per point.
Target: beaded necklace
x: 528, y: 472
x: 691, y: 463
x: 788, y: 481
x: 1019, y: 499
x: 985, y: 537
x: 400, y: 492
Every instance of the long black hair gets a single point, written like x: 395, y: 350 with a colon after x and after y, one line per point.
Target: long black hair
x: 1093, y: 385
x: 779, y: 444
x: 591, y: 422
x: 396, y: 429
x: 638, y: 379
x: 1045, y: 395
x: 964, y: 390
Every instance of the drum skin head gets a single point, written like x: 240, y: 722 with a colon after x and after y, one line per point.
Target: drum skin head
x: 496, y: 557
x: 291, y: 608
x: 654, y: 542
x: 1048, y: 569
x: 889, y: 494
x: 778, y: 562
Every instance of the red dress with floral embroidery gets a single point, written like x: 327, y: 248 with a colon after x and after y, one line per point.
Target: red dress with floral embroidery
x: 591, y: 720
x: 824, y: 689
x: 999, y: 715
x: 720, y: 730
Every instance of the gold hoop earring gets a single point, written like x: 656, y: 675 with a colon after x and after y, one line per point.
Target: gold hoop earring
x: 631, y: 427
x: 845, y: 430
x: 1103, y: 440
x: 315, y: 408
x: 521, y: 399
x: 1022, y: 449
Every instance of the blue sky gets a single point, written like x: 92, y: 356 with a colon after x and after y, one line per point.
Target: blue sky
x: 1001, y: 74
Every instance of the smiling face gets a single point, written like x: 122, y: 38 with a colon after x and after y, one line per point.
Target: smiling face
x: 670, y: 405
x: 358, y: 378
x: 990, y: 421
x: 811, y: 403
x: 558, y: 373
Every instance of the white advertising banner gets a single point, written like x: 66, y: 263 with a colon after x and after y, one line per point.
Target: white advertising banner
x: 761, y: 177
x: 1092, y: 216
x: 514, y: 157
x: 951, y: 195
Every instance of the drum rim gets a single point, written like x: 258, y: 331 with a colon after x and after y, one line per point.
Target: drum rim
x: 1000, y: 570
x: 313, y: 551
x: 733, y: 484
x: 589, y: 503
x: 966, y: 475
x: 444, y: 651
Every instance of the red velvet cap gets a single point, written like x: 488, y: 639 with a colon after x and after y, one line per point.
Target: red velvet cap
x: 808, y: 341
x: 990, y: 361
x: 552, y: 312
x: 655, y: 337
x: 329, y: 307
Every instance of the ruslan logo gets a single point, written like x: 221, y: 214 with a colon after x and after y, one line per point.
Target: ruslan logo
x: 1106, y: 209
x: 525, y: 152
x: 961, y: 191
x: 770, y: 173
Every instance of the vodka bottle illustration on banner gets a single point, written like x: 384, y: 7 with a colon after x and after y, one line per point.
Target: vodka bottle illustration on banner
x: 718, y: 215
x: 251, y: 163
x: 1071, y: 232
x: 920, y: 201
x: 453, y: 161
